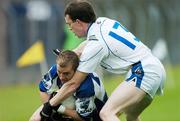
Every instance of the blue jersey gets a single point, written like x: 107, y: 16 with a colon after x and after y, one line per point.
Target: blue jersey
x: 89, y: 97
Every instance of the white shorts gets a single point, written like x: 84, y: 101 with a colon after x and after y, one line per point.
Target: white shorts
x: 149, y: 75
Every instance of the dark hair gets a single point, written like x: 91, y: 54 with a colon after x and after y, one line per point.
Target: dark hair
x: 68, y: 57
x: 82, y: 10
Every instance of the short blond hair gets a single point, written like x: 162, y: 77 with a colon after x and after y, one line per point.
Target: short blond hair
x: 68, y: 57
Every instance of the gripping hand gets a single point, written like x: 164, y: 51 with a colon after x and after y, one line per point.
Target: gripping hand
x: 46, y: 111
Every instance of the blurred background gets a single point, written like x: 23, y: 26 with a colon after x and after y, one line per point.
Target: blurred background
x: 25, y: 22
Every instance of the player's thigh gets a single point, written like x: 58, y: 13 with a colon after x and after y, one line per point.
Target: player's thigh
x: 36, y: 115
x: 125, y: 95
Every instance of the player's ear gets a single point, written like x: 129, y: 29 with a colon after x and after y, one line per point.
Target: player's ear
x: 78, y: 21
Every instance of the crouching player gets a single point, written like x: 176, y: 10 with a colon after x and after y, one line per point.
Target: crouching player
x: 84, y: 105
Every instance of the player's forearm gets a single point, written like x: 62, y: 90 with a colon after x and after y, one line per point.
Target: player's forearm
x: 68, y: 88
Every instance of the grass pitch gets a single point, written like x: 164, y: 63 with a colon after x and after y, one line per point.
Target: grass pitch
x: 17, y: 103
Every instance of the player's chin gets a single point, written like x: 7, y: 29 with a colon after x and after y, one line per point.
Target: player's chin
x: 80, y: 35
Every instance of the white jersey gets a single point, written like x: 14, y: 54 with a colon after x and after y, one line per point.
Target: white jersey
x: 112, y: 46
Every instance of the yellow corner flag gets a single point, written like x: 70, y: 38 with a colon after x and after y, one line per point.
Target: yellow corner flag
x: 35, y: 54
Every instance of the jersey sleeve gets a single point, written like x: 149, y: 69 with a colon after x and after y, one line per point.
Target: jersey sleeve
x: 91, y: 57
x: 46, y: 82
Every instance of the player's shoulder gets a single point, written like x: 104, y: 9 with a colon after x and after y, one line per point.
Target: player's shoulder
x: 94, y: 28
x: 99, y: 20
x: 51, y: 74
x: 53, y: 70
x: 101, y: 26
x: 48, y: 79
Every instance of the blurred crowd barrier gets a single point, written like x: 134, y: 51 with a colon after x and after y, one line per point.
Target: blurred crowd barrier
x: 29, y: 21
x: 23, y: 22
x: 150, y: 20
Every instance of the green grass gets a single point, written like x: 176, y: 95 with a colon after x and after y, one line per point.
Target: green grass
x: 17, y: 103
x: 163, y: 108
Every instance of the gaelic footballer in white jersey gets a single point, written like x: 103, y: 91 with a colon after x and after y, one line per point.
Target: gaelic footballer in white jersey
x: 112, y: 46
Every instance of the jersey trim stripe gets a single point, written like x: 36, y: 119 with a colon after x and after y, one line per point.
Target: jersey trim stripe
x: 121, y: 39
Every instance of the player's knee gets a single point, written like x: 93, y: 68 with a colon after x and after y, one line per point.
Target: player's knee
x: 104, y: 114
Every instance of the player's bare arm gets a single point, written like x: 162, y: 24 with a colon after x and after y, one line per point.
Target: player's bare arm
x: 68, y: 88
x: 36, y: 115
x: 44, y: 97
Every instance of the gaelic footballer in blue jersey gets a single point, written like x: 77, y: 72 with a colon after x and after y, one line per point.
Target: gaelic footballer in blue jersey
x: 88, y: 99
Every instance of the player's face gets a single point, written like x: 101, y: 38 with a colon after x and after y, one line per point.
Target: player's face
x: 65, y: 73
x: 75, y: 26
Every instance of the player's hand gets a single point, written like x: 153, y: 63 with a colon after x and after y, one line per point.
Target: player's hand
x: 46, y: 111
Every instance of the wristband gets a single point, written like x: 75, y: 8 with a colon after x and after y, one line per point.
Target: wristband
x: 61, y: 109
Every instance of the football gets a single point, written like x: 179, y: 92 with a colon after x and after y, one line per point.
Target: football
x: 69, y: 102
